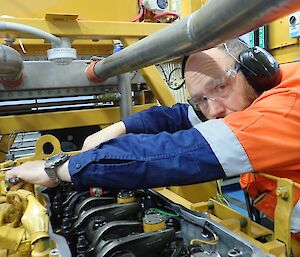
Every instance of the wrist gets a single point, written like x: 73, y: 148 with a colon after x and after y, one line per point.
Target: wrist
x: 63, y: 172
x: 52, y: 164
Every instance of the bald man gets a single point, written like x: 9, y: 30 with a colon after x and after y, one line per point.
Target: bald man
x: 247, y: 130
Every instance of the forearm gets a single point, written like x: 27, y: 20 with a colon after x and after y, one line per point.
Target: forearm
x: 145, y: 161
x: 63, y: 172
x: 161, y: 118
x: 103, y: 135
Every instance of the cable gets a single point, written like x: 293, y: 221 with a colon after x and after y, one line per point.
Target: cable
x: 141, y: 12
x: 220, y: 195
x: 209, y: 242
x: 167, y: 78
x: 164, y: 14
x: 171, y: 84
x: 164, y: 212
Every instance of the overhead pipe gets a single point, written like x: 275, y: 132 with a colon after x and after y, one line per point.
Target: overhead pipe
x: 214, y: 23
x: 11, y: 67
x: 56, y: 41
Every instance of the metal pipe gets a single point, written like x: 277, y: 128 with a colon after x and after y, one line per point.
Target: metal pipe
x: 4, y: 25
x: 214, y: 23
x: 11, y: 64
x: 126, y: 97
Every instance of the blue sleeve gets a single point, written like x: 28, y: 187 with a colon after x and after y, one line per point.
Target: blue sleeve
x: 158, y: 119
x: 145, y: 161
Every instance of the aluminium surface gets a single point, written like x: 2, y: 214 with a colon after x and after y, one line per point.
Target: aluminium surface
x: 48, y: 79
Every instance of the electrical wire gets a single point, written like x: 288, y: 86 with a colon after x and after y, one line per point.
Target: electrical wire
x: 177, y: 87
x: 220, y: 195
x: 164, y: 212
x: 207, y: 242
x: 141, y: 12
x: 168, y: 78
x: 166, y: 14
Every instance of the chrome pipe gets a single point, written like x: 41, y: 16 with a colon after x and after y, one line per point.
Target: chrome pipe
x: 11, y: 64
x: 214, y: 23
x: 126, y: 97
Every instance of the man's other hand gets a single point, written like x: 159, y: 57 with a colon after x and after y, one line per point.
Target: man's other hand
x: 32, y: 172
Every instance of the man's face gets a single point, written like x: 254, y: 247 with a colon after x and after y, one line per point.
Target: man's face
x: 214, y: 85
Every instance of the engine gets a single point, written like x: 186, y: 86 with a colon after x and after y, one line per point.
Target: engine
x: 99, y: 223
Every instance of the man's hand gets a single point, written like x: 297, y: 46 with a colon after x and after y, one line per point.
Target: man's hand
x: 32, y: 172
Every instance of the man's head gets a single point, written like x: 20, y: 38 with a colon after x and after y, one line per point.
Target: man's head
x: 216, y: 87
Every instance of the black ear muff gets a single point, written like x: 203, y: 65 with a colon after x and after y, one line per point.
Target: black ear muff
x: 260, y: 68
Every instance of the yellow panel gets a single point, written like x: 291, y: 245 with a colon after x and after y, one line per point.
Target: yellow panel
x: 279, y: 34
x: 59, y: 120
x: 189, y: 6
x: 84, y: 29
x: 106, y: 10
x: 283, y: 48
x: 287, y: 54
x: 191, y: 192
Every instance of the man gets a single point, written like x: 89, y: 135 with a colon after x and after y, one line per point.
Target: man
x: 248, y: 131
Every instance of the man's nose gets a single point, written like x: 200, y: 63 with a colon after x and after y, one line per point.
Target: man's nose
x: 216, y: 109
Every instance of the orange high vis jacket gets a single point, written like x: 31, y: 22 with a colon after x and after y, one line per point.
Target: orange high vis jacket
x: 269, y: 132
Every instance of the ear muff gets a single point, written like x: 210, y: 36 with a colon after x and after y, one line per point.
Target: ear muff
x: 260, y: 68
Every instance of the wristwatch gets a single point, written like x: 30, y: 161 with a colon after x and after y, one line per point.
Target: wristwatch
x: 51, y: 165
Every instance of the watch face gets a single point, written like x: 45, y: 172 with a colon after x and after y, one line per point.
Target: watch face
x: 58, y: 158
x: 52, y: 163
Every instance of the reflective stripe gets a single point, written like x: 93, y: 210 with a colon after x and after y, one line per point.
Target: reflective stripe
x: 226, y: 147
x: 192, y: 116
x: 295, y: 219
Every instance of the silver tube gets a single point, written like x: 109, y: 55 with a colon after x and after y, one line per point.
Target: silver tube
x: 214, y: 23
x: 31, y: 30
x: 126, y: 97
x: 11, y: 63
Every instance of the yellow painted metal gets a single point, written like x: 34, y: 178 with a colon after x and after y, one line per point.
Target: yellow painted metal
x: 279, y: 34
x: 154, y: 79
x: 192, y: 192
x: 59, y: 120
x: 10, y: 238
x: 284, y: 48
x: 157, y: 85
x: 5, y: 144
x: 176, y: 198
x: 235, y: 221
x: 39, y: 152
x: 283, y: 211
x: 123, y: 10
x: 35, y: 219
x: 287, y: 54
x: 275, y: 247
x: 296, y: 248
x: 41, y: 248
x: 154, y: 227
x: 85, y: 29
x: 189, y: 6
x: 224, y: 213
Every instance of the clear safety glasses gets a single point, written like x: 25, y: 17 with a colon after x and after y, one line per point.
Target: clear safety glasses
x: 218, y: 92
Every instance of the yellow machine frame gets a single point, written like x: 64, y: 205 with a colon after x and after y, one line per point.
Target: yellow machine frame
x: 93, y: 30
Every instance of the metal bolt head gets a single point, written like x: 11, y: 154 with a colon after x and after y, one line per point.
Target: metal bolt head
x: 282, y: 192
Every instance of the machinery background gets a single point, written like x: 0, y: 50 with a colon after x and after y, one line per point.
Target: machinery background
x: 47, y: 47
